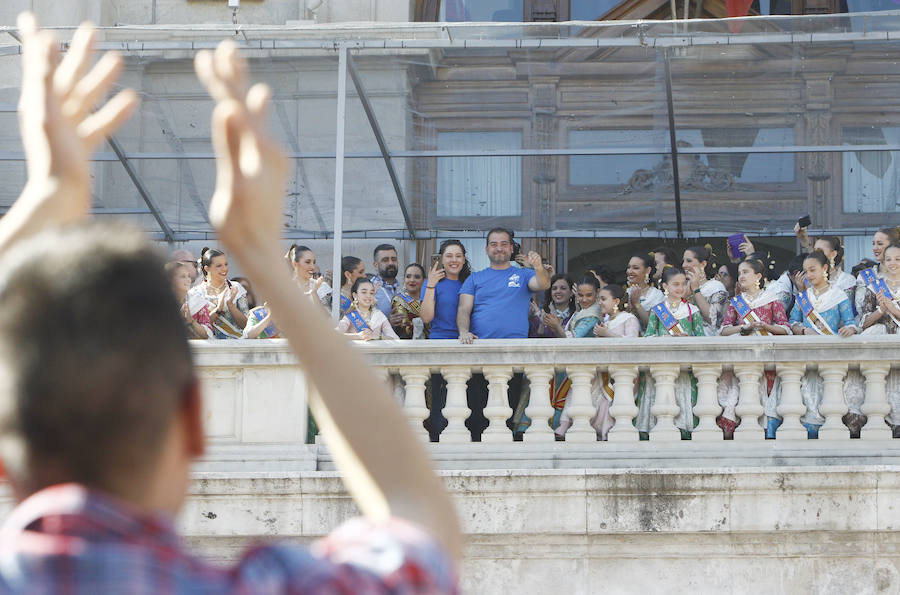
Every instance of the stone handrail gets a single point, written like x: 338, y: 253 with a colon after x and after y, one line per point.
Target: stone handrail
x: 256, y: 397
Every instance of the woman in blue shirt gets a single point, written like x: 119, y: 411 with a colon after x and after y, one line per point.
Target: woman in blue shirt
x: 440, y: 296
x: 439, y: 302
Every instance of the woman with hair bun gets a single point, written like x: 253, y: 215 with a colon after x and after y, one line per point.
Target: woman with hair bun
x: 757, y: 310
x: 226, y: 302
x: 705, y: 291
x: 881, y: 239
x: 833, y: 249
x: 406, y: 305
x: 550, y: 319
x: 180, y: 278
x: 685, y: 321
x: 820, y: 310
x: 641, y: 293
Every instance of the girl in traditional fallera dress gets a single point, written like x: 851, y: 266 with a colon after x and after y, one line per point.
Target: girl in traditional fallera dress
x: 550, y: 320
x: 833, y: 249
x: 880, y: 241
x: 819, y: 310
x: 758, y: 312
x: 689, y: 324
x: 217, y: 300
x: 641, y: 293
x: 614, y: 323
x: 180, y: 279
x: 881, y: 316
x: 407, y: 305
x: 580, y: 325
x: 705, y: 291
x: 364, y: 321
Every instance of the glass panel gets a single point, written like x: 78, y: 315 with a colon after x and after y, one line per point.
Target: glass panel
x: 479, y: 186
x: 511, y: 11
x: 590, y: 10
x: 870, y: 178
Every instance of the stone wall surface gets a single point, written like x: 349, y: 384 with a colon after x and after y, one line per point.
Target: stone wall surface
x: 788, y: 530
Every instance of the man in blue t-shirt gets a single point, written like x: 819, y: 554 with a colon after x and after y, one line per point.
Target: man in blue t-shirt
x: 493, y: 303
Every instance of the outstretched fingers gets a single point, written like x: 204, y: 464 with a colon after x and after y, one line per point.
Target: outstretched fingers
x: 76, y: 61
x: 108, y: 118
x: 93, y: 86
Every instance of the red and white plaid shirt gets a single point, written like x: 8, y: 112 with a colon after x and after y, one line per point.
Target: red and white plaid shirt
x: 68, y: 539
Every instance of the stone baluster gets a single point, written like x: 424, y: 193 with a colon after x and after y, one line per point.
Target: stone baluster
x: 393, y: 387
x: 665, y: 408
x: 581, y: 409
x: 623, y: 410
x: 833, y: 406
x: 791, y: 408
x: 749, y: 408
x: 707, y: 407
x: 497, y: 410
x: 457, y: 409
x: 414, y: 399
x: 876, y: 406
x: 539, y: 409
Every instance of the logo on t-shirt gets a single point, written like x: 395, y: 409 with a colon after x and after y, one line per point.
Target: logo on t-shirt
x: 514, y: 280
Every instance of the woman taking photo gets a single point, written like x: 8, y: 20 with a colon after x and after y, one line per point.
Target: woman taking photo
x: 641, y: 293
x: 439, y: 301
x: 440, y: 296
x: 363, y: 320
x: 550, y: 320
x: 406, y: 304
x: 180, y: 278
x: 755, y: 311
x: 684, y: 320
x: 708, y: 294
x: 227, y: 301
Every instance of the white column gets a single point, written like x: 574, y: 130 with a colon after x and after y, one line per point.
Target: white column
x: 581, y: 409
x: 623, y: 408
x: 497, y: 410
x: 665, y: 408
x: 539, y: 409
x: 707, y: 408
x: 414, y: 399
x: 749, y: 408
x: 833, y: 406
x: 876, y: 405
x: 456, y: 410
x: 791, y: 407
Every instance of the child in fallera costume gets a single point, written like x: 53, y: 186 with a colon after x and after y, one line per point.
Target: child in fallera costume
x: 681, y: 320
x: 756, y: 310
x: 821, y: 309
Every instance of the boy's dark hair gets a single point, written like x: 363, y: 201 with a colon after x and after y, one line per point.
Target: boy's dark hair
x: 94, y: 358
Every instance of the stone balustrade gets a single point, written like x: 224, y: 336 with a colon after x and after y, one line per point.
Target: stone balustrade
x: 256, y: 398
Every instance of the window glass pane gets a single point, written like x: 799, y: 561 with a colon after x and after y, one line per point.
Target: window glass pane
x: 870, y: 180
x: 479, y: 186
x: 747, y: 168
x: 511, y: 11
x: 590, y: 10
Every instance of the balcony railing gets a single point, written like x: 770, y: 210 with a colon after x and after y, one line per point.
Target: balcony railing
x: 256, y: 398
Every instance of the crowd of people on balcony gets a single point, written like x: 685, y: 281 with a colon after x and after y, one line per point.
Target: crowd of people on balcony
x: 520, y: 296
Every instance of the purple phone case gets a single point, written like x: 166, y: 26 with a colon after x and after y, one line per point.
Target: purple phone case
x: 735, y: 241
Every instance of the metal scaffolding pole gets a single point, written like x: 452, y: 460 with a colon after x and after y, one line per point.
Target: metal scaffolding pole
x: 337, y: 277
x: 382, y: 144
x: 676, y: 181
x: 142, y: 190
